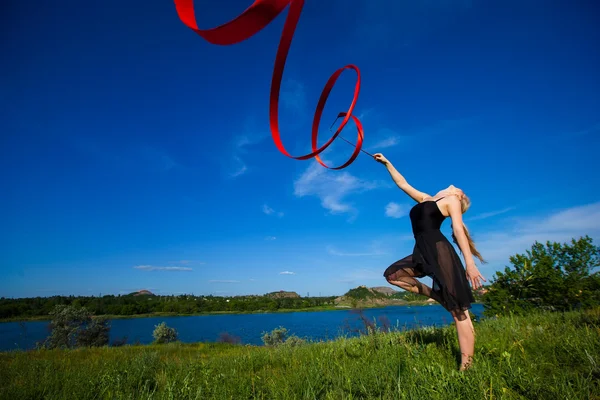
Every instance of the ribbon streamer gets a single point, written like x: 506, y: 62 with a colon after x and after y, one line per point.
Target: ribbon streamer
x: 250, y: 22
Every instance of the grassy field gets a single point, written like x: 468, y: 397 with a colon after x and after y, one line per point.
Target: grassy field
x: 541, y: 356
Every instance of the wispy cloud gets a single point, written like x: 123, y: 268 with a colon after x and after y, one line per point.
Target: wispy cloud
x: 490, y: 214
x: 560, y: 226
x: 363, y: 115
x: 270, y: 238
x: 388, y: 138
x: 239, y: 148
x: 287, y: 273
x: 332, y: 188
x: 240, y: 144
x: 386, y: 143
x: 156, y: 268
x: 395, y: 210
x: 269, y: 211
x: 242, y: 168
x: 223, y: 281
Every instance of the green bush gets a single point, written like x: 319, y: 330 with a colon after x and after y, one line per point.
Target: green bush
x: 554, y: 277
x: 73, y: 326
x: 164, y: 334
x: 278, y: 337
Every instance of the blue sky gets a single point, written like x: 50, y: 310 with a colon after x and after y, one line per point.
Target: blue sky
x: 135, y: 155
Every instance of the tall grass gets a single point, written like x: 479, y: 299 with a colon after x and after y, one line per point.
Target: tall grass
x: 540, y: 356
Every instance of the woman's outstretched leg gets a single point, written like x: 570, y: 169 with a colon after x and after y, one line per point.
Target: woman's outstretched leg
x: 402, y: 274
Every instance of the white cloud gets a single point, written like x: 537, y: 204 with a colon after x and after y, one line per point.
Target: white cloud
x: 270, y: 238
x: 287, y: 273
x: 242, y: 169
x: 363, y: 115
x: 395, y: 210
x: 385, y: 143
x: 560, y: 226
x: 331, y: 187
x: 154, y: 268
x: 223, y: 281
x: 490, y: 214
x: 240, y: 143
x: 269, y: 211
x: 389, y: 138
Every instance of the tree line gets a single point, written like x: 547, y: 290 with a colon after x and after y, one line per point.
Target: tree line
x: 133, y: 304
x: 551, y: 276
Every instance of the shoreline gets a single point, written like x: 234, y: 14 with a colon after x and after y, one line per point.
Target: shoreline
x: 151, y: 315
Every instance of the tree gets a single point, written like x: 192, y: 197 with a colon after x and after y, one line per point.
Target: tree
x: 556, y: 277
x: 73, y: 326
x: 164, y: 334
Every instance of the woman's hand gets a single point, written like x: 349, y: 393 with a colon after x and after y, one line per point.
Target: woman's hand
x: 380, y: 158
x: 474, y: 276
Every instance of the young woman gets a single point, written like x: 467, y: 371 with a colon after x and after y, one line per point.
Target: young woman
x: 434, y: 256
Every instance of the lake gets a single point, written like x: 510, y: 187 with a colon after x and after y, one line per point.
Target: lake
x: 312, y: 325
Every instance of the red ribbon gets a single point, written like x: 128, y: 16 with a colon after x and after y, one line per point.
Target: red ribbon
x: 250, y: 22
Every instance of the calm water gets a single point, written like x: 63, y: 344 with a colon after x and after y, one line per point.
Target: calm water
x: 315, y: 325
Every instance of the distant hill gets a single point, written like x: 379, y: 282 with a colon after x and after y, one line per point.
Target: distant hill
x: 388, y: 291
x: 363, y: 293
x: 142, y: 293
x: 282, y: 294
x: 363, y: 296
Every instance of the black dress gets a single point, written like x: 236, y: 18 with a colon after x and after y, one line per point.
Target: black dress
x: 434, y: 256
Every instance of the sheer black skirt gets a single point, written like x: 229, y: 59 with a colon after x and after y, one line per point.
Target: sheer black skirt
x: 434, y: 256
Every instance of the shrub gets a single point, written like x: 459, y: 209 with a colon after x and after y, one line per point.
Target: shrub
x: 278, y: 337
x: 164, y: 334
x: 555, y: 277
x: 73, y: 326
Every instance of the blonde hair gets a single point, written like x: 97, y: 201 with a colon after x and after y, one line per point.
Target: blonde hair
x: 465, y: 203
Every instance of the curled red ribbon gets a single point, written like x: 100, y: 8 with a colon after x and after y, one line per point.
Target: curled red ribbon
x: 250, y: 22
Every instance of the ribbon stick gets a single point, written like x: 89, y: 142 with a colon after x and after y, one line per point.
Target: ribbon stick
x: 248, y: 23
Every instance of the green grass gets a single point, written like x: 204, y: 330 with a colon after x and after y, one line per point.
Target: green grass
x: 541, y: 356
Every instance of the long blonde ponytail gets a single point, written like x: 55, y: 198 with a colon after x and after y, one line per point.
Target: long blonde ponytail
x: 472, y: 247
x: 465, y: 204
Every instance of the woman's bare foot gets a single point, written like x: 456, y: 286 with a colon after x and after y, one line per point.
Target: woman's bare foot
x: 465, y: 365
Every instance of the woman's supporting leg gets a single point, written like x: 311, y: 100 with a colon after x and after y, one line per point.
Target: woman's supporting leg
x: 466, y: 337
